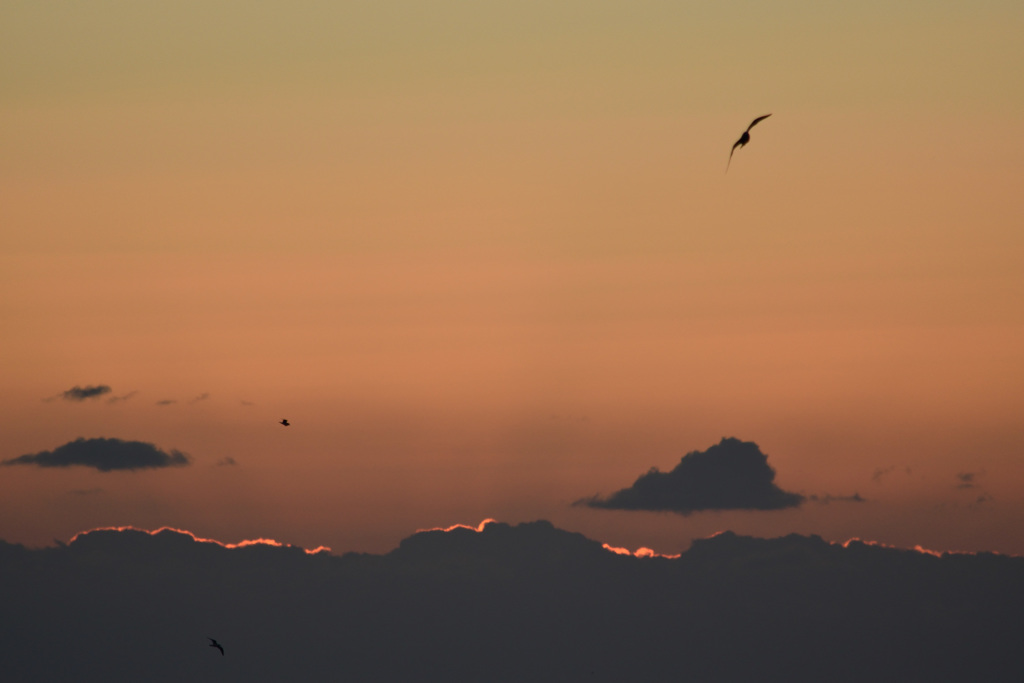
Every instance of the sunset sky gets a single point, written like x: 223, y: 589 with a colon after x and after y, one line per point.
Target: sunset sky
x: 486, y: 259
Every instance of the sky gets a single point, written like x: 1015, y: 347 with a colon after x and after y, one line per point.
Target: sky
x: 488, y: 262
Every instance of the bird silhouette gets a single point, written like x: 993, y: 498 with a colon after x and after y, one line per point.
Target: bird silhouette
x: 286, y: 423
x: 214, y: 643
x: 744, y: 139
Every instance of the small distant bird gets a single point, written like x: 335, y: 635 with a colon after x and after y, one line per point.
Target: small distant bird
x: 286, y: 423
x: 214, y: 643
x: 745, y: 138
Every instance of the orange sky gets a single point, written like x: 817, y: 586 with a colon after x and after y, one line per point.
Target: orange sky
x: 487, y: 261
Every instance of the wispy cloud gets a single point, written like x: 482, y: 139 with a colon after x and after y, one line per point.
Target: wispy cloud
x: 104, y: 455
x: 200, y: 397
x: 119, y: 399
x: 85, y: 492
x: 227, y: 461
x: 967, y: 480
x: 77, y: 393
x: 829, y: 498
x: 731, y: 475
x: 166, y: 402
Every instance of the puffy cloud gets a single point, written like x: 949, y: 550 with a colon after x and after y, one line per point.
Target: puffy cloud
x: 731, y: 475
x: 104, y: 455
x: 77, y: 393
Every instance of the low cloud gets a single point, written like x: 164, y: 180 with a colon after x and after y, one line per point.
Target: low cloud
x: 166, y: 402
x: 226, y: 462
x: 496, y: 602
x: 85, y: 492
x: 200, y: 397
x: 829, y: 498
x: 967, y: 480
x: 77, y: 393
x: 104, y: 455
x: 119, y: 399
x: 731, y: 475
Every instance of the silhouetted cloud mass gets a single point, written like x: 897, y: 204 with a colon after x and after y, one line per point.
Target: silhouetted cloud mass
x: 505, y: 603
x: 77, y: 393
x: 731, y: 475
x: 104, y: 455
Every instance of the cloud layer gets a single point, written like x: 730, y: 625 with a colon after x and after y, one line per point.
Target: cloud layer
x: 104, y: 455
x: 505, y: 603
x: 731, y: 475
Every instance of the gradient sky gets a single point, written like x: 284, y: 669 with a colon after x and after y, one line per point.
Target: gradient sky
x: 487, y: 261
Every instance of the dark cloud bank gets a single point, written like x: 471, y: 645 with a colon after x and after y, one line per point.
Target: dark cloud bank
x: 104, y: 455
x: 507, y: 604
x: 731, y: 475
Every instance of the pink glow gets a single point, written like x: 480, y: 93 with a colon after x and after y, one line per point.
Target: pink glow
x: 916, y: 548
x: 639, y: 552
x: 198, y: 539
x: 453, y: 527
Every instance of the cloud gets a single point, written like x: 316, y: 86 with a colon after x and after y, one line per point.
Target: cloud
x: 200, y: 397
x: 166, y: 402
x: 125, y: 397
x: 829, y: 498
x: 497, y: 602
x: 731, y: 475
x: 77, y: 393
x: 85, y: 492
x: 880, y: 472
x: 226, y: 462
x: 967, y: 480
x: 104, y: 455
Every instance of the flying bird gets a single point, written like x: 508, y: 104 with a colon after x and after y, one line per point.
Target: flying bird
x: 745, y: 138
x: 286, y: 423
x: 214, y: 643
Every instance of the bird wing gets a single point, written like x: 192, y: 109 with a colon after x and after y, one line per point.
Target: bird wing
x: 758, y: 119
x: 734, y: 146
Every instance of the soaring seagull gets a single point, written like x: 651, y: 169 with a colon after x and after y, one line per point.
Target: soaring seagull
x: 214, y: 643
x: 745, y: 138
x: 286, y: 423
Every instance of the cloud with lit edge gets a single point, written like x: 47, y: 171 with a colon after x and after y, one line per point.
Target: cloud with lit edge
x: 104, y: 455
x: 731, y: 475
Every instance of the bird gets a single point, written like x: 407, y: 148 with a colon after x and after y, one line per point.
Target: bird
x: 286, y: 423
x: 214, y: 643
x: 744, y: 139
